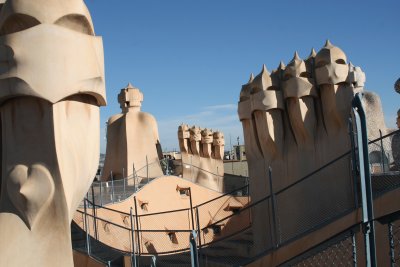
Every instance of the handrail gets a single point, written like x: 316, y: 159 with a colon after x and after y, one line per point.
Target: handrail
x: 106, y: 208
x: 104, y: 220
x: 163, y: 212
x: 383, y: 137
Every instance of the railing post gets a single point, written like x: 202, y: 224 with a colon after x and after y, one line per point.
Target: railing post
x: 355, y: 170
x: 123, y: 180
x: 86, y: 226
x: 112, y: 187
x: 191, y: 208
x: 94, y: 214
x: 274, y: 235
x: 134, y: 177
x: 147, y: 169
x: 193, y: 249
x: 133, y: 256
x: 167, y: 170
x: 382, y: 152
x: 153, y: 261
x: 101, y: 195
x: 198, y: 226
x: 137, y: 225
x: 365, y: 181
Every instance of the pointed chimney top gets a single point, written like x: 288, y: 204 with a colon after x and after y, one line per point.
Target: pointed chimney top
x: 313, y: 53
x: 251, y: 78
x: 328, y: 43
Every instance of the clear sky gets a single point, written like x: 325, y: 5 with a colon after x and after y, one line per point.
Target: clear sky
x: 190, y: 58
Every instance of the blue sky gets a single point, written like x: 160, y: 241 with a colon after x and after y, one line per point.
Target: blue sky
x: 190, y: 58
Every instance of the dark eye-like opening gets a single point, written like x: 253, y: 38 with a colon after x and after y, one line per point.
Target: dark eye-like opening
x: 17, y: 23
x: 77, y: 23
x: 305, y: 74
x: 340, y: 61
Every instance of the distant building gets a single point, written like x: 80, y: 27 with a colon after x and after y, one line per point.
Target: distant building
x: 235, y: 166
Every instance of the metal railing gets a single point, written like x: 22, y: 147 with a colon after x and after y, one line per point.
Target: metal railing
x: 340, y: 250
x: 347, y: 248
x: 220, y: 220
x: 113, y: 191
x: 231, y: 216
x: 385, y: 171
x: 382, y: 153
x: 151, y: 226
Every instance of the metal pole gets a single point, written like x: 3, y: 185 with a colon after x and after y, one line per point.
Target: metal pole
x: 137, y: 225
x: 273, y: 204
x: 101, y: 195
x: 198, y: 227
x: 134, y: 177
x: 382, y: 152
x: 112, y: 187
x: 167, y: 170
x: 191, y: 208
x: 193, y: 249
x: 86, y: 227
x: 147, y: 169
x: 123, y: 180
x: 133, y: 240
x: 153, y: 261
x: 94, y: 214
x: 354, y: 163
x: 365, y: 178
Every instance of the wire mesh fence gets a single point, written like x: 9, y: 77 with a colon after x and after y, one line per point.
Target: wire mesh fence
x: 160, y: 242
x: 226, y: 222
x: 337, y: 251
x: 333, y: 193
x: 384, y: 156
x: 384, y: 153
x: 116, y: 190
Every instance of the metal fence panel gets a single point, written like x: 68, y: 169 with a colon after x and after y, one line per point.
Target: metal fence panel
x: 338, y: 251
x: 315, y: 201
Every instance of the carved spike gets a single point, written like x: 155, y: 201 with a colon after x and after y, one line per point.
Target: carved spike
x: 312, y: 54
x: 328, y: 43
x: 251, y: 78
x: 264, y: 69
x: 264, y: 72
x: 296, y: 56
x: 282, y: 65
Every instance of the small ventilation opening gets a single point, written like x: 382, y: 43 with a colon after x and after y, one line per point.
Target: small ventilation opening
x: 144, y: 206
x: 183, y: 191
x: 216, y: 229
x: 172, y: 237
